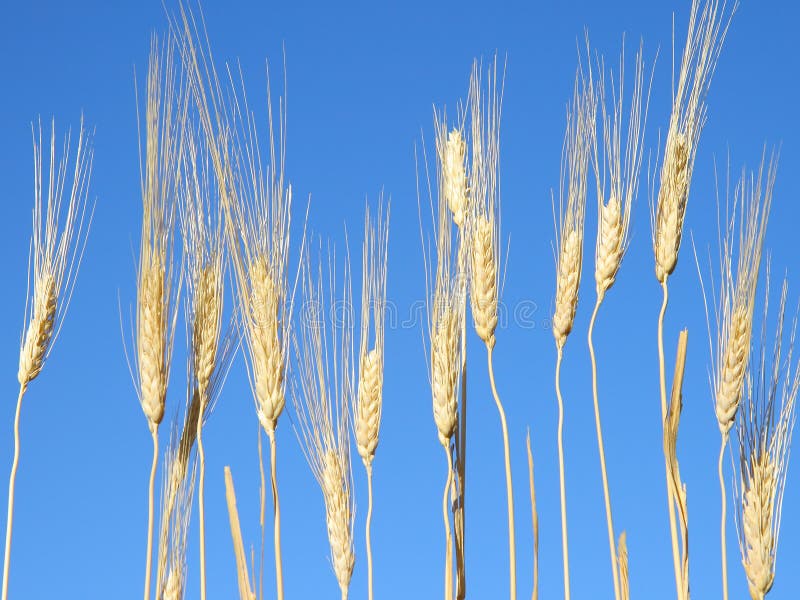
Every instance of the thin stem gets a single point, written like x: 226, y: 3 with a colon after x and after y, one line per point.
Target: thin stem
x: 724, y: 546
x: 601, y: 449
x: 448, y: 556
x: 263, y: 501
x: 12, y: 480
x: 460, y: 515
x: 512, y: 551
x: 277, y: 514
x: 534, y: 521
x: 201, y: 503
x: 663, y: 386
x: 151, y: 490
x: 369, y: 524
x: 564, y: 545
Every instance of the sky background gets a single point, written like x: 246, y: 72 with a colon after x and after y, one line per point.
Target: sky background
x: 362, y: 82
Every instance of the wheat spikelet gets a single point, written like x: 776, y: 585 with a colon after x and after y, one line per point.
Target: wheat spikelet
x: 335, y: 489
x: 39, y: 330
x: 765, y: 435
x: 569, y: 277
x: 369, y: 404
x: 706, y: 34
x: 455, y: 175
x: 574, y: 164
x: 734, y: 364
x: 59, y: 236
x: 266, y: 349
x: 622, y: 161
x: 483, y: 292
x: 367, y: 412
x: 326, y: 392
x: 734, y: 316
x: 445, y: 365
x: 152, y: 339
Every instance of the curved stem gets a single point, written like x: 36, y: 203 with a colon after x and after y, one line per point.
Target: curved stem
x: 448, y: 556
x: 512, y: 551
x: 663, y: 386
x: 277, y: 514
x: 564, y: 545
x: 601, y: 449
x: 149, y: 560
x: 369, y: 525
x: 12, y: 480
x: 201, y: 503
x: 722, y: 522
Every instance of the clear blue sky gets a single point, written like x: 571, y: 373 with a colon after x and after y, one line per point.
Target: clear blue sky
x: 362, y: 81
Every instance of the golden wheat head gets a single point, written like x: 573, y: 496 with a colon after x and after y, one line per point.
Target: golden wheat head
x: 367, y: 413
x: 59, y: 237
x: 765, y: 435
x: 707, y: 30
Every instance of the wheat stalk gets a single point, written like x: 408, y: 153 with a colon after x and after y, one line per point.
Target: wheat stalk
x: 733, y: 316
x: 157, y: 297
x: 327, y: 389
x: 245, y: 590
x: 57, y: 243
x: 620, y: 167
x: 369, y: 400
x: 484, y: 250
x: 451, y: 151
x: 765, y: 434
x: 569, y: 241
x: 204, y: 252
x: 706, y: 33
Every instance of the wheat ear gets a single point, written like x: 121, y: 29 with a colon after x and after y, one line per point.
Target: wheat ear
x: 706, y: 34
x: 484, y: 232
x: 369, y: 400
x: 57, y: 243
x: 157, y: 297
x: 204, y: 251
x: 569, y: 248
x: 733, y: 317
x: 451, y: 150
x: 327, y: 387
x: 765, y: 435
x: 621, y: 165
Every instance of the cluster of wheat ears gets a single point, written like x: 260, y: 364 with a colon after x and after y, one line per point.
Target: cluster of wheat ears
x: 208, y: 185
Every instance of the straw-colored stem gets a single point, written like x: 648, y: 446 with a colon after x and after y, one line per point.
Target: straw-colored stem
x: 448, y: 555
x: 277, y: 514
x: 12, y: 480
x: 564, y: 545
x: 601, y: 449
x: 512, y: 549
x: 663, y: 386
x: 724, y: 545
x: 461, y: 515
x: 151, y: 491
x: 369, y: 524
x: 534, y: 522
x: 263, y: 500
x: 201, y: 502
